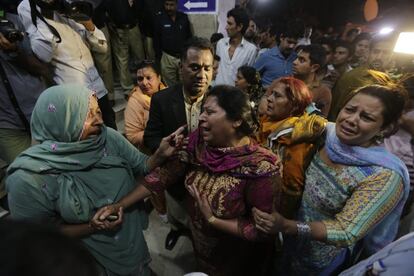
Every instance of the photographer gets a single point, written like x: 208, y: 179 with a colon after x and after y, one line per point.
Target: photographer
x: 66, y: 45
x: 20, y: 86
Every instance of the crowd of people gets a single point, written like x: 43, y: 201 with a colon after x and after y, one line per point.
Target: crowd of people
x: 277, y: 151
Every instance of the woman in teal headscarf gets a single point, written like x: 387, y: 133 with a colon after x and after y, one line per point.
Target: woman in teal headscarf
x: 79, y: 166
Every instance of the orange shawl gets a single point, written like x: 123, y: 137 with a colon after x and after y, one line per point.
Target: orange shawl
x: 294, y: 140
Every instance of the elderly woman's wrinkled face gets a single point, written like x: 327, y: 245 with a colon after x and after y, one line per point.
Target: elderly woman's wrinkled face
x: 93, y: 122
x: 279, y: 106
x: 148, y: 80
x: 360, y: 120
x: 216, y: 129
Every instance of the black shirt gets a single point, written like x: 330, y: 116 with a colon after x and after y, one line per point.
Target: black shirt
x: 148, y: 10
x: 121, y: 13
x: 99, y: 16
x: 170, y: 36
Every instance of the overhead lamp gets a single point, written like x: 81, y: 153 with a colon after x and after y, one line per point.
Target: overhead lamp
x: 386, y: 31
x: 405, y: 43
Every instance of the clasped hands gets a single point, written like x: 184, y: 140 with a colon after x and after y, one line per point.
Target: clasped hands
x: 268, y: 223
x: 265, y: 222
x: 100, y: 219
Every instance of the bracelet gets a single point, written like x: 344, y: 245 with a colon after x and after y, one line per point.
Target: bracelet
x: 303, y: 231
x: 212, y: 219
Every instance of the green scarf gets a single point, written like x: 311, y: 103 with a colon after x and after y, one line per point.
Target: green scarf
x: 57, y: 123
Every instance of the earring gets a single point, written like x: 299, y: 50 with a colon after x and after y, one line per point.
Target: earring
x: 379, y: 138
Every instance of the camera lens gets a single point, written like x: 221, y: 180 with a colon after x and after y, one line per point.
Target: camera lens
x: 14, y: 36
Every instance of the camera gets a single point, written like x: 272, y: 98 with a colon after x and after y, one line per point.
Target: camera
x: 9, y: 31
x: 76, y: 10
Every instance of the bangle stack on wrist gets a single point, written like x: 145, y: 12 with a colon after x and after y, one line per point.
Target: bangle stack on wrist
x: 211, y: 219
x: 303, y: 231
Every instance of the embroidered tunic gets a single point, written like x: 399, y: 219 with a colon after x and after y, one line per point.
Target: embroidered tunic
x: 234, y: 180
x: 350, y: 201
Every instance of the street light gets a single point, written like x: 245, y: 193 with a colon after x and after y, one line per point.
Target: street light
x: 386, y: 31
x: 405, y: 43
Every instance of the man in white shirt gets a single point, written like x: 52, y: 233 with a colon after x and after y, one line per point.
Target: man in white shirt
x: 234, y: 51
x: 66, y: 45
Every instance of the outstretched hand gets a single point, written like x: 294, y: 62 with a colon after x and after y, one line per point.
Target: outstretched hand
x: 173, y: 142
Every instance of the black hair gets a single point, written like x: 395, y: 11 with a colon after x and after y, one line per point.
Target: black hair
x: 240, y: 17
x: 254, y: 80
x: 327, y: 41
x: 250, y: 74
x: 199, y: 43
x: 294, y: 29
x: 35, y: 14
x: 41, y: 250
x: 148, y: 63
x: 351, y: 32
x: 299, y: 48
x: 360, y: 37
x: 272, y: 29
x: 216, y: 37
x: 217, y: 58
x: 346, y: 45
x: 408, y: 82
x: 317, y: 54
x: 237, y: 106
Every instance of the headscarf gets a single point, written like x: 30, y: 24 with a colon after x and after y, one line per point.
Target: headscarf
x: 57, y: 123
x: 340, y: 153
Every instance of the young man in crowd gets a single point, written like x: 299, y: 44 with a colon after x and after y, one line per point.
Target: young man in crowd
x: 126, y: 38
x: 341, y: 56
x: 305, y: 67
x: 177, y: 106
x: 374, y: 72
x: 234, y: 51
x: 60, y: 41
x: 278, y: 61
x: 251, y: 31
x: 328, y: 45
x: 267, y: 39
x: 216, y: 65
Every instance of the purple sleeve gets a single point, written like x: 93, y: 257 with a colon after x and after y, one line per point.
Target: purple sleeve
x: 161, y: 178
x: 264, y: 194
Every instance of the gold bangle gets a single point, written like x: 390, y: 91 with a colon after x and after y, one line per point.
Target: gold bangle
x: 212, y: 219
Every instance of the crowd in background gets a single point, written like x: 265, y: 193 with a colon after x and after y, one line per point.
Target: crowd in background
x: 279, y: 148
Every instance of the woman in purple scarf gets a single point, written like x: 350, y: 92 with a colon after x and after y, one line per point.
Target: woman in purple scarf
x: 226, y: 174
